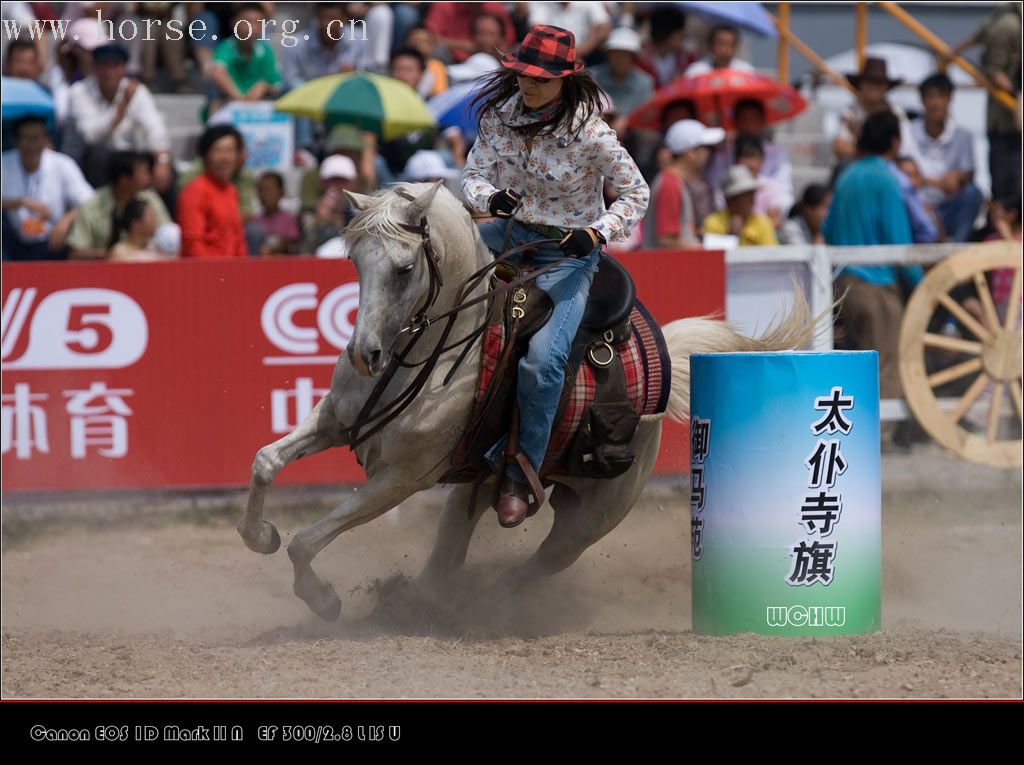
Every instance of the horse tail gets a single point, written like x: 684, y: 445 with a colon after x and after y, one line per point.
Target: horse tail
x: 708, y: 335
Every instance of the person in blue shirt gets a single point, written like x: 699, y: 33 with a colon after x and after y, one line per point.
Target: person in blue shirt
x: 868, y: 208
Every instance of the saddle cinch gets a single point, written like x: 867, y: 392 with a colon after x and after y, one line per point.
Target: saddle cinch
x: 599, y: 444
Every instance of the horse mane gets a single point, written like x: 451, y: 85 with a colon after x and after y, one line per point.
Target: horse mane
x: 384, y: 216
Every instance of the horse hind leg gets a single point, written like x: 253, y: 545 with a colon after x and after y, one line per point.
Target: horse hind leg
x: 317, y: 432
x: 453, y: 535
x: 583, y: 519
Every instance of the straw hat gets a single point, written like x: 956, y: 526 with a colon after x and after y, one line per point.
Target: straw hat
x: 739, y: 180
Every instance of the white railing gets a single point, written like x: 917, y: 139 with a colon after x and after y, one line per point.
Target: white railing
x: 759, y: 283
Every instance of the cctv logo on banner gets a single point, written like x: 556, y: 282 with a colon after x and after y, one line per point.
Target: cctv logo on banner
x: 298, y: 336
x: 72, y: 329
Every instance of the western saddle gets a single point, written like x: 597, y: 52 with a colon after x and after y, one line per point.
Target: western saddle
x: 600, y: 448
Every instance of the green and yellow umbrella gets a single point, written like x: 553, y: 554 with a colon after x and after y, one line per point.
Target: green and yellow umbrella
x: 383, y: 105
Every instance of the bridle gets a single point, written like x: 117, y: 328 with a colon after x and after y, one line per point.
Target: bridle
x: 421, y: 321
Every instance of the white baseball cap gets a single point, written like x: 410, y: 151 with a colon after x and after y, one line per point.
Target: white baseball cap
x: 338, y: 166
x: 623, y: 38
x: 428, y: 165
x: 685, y: 135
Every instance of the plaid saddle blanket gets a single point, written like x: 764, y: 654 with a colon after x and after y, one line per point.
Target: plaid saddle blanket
x: 647, y: 368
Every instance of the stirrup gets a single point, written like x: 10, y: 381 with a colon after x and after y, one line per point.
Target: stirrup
x: 512, y: 452
x: 533, y: 481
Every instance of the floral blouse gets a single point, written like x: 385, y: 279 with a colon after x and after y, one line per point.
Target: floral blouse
x: 561, y: 180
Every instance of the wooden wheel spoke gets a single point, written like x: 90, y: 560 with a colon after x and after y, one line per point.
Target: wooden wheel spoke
x: 954, y: 372
x: 981, y: 285
x: 965, y: 318
x: 1014, y: 304
x: 993, y: 412
x: 953, y: 343
x: 977, y: 352
x: 1016, y: 395
x: 969, y: 398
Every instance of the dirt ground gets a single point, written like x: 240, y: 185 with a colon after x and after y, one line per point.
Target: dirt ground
x: 156, y: 597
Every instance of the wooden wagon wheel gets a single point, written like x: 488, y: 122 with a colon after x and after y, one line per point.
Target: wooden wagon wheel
x: 991, y: 346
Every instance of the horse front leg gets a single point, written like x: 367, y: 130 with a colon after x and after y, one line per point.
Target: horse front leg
x: 382, y: 491
x: 318, y: 431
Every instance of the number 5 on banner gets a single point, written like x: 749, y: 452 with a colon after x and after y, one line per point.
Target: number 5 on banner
x: 72, y: 329
x: 79, y: 324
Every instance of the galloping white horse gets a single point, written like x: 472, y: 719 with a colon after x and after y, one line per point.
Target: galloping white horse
x: 401, y: 459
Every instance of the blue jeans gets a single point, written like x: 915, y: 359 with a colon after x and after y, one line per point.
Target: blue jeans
x: 959, y: 211
x: 542, y: 369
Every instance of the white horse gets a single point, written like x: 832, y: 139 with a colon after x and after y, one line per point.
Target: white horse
x: 401, y: 459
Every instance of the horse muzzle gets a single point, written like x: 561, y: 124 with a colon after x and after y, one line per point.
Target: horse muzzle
x: 369, y: 362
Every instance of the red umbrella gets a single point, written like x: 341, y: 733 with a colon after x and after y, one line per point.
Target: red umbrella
x: 714, y: 96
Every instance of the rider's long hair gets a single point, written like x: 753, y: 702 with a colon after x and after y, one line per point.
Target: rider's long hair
x: 580, y: 88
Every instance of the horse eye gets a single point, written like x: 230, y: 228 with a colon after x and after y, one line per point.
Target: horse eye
x: 406, y: 270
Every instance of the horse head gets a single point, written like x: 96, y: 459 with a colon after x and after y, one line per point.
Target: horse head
x: 394, y: 276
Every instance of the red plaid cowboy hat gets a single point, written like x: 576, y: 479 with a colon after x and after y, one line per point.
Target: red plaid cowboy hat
x: 545, y: 52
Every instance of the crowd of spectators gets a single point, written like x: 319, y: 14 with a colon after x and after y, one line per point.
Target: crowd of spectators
x: 100, y: 181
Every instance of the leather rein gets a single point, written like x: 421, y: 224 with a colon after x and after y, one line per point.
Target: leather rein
x: 421, y: 321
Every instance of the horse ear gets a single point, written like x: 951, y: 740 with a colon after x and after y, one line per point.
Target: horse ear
x: 419, y: 206
x: 358, y: 201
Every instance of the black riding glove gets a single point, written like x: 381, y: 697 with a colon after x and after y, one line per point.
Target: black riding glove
x: 579, y: 242
x: 503, y: 203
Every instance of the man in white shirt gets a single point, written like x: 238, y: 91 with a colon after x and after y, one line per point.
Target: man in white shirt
x: 946, y: 160
x: 723, y: 40
x: 41, y: 190
x: 589, y: 22
x: 109, y: 112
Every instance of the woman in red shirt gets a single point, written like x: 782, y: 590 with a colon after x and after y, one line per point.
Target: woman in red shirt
x: 208, y: 210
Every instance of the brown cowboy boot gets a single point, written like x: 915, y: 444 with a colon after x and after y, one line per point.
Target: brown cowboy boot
x: 513, y: 503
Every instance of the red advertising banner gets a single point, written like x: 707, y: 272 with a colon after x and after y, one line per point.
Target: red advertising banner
x: 173, y: 375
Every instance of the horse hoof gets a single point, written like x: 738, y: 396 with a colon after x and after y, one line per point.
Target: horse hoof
x: 267, y: 542
x: 326, y: 604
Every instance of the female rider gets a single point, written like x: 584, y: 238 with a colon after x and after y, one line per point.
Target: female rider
x: 542, y: 154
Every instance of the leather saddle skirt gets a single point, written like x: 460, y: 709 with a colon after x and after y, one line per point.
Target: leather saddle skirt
x: 614, y: 322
